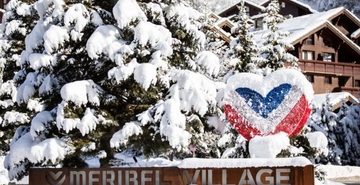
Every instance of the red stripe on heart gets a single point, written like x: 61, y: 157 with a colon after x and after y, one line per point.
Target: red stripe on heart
x: 240, y: 124
x: 291, y: 124
x: 295, y: 119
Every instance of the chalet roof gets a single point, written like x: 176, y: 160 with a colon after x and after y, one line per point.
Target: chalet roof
x: 303, y: 26
x: 214, y: 16
x: 219, y: 23
x: 335, y: 99
x: 300, y: 4
x: 260, y: 15
x: 255, y: 5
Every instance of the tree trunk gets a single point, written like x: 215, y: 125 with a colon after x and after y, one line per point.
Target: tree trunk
x: 105, y: 145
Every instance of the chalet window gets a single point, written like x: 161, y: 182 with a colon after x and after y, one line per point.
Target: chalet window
x: 226, y: 28
x: 247, y: 10
x: 308, y: 55
x: 259, y: 24
x: 309, y: 40
x: 310, y: 78
x: 329, y: 57
x: 357, y: 83
x: 328, y: 80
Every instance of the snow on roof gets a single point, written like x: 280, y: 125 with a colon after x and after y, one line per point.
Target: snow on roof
x: 254, y: 4
x: 335, y: 99
x: 355, y: 34
x: 260, y: 15
x: 298, y: 27
x: 243, y: 163
x: 222, y: 20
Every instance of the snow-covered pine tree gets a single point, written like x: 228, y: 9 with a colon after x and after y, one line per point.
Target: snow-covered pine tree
x: 243, y: 55
x: 53, y: 55
x: 347, y: 133
x: 17, y: 22
x: 177, y: 119
x: 328, y: 122
x: 339, y: 130
x: 122, y: 79
x: 353, y: 118
x: 275, y: 49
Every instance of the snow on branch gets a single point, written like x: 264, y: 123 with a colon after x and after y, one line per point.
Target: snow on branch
x: 85, y: 125
x: 37, y: 152
x: 81, y: 92
x: 197, y: 95
x: 126, y: 11
x: 122, y: 136
x: 102, y: 37
x: 42, y: 5
x: 209, y: 61
x: 77, y: 16
x: 172, y: 124
x: 39, y: 123
x: 145, y: 75
x: 54, y: 37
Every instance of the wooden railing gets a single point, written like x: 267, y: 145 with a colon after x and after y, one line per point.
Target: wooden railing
x: 331, y: 68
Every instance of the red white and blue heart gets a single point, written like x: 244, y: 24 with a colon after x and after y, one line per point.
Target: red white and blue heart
x: 279, y: 102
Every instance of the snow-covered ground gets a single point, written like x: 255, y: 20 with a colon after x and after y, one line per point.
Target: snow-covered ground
x: 335, y: 174
x: 350, y: 174
x: 272, y: 144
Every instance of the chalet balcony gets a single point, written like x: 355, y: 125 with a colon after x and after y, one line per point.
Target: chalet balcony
x: 329, y: 68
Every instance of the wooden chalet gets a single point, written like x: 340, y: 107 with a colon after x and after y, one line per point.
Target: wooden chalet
x: 327, y: 45
x: 328, y: 55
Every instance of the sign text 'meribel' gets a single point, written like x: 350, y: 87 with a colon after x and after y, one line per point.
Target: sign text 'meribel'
x: 278, y: 176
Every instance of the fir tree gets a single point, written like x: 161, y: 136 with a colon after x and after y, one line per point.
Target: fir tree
x: 113, y: 81
x: 275, y: 49
x: 17, y: 24
x: 340, y: 127
x: 347, y: 132
x: 244, y: 51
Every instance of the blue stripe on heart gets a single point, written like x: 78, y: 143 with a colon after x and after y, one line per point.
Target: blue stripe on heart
x: 264, y: 105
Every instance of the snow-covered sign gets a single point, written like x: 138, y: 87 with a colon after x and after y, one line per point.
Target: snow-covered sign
x: 258, y: 106
x: 284, y: 171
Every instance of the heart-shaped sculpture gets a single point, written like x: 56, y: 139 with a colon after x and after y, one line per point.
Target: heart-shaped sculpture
x: 279, y: 102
